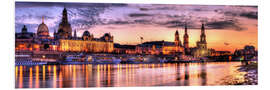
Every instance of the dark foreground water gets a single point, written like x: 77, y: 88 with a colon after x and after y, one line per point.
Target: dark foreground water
x: 122, y: 75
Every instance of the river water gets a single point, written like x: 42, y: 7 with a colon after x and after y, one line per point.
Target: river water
x: 125, y: 75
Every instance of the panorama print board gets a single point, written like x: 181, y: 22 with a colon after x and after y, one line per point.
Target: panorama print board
x: 67, y: 45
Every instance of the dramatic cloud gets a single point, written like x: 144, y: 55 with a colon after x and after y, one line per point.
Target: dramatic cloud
x: 139, y: 15
x: 251, y: 15
x: 227, y: 24
x: 144, y: 9
x: 67, y: 5
x: 83, y: 16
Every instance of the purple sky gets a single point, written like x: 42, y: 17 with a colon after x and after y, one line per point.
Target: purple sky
x: 99, y: 18
x: 86, y: 15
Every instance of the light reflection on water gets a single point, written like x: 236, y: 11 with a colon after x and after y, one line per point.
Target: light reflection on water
x: 121, y: 75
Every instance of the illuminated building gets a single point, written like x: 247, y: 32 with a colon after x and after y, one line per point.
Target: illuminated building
x: 201, y: 49
x: 43, y: 38
x: 24, y: 40
x: 152, y: 47
x: 177, y: 40
x: 177, y: 48
x: 42, y: 47
x: 87, y: 43
x: 42, y: 31
x: 85, y: 46
x: 162, y: 47
x: 221, y: 53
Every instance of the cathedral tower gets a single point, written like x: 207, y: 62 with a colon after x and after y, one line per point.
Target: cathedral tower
x: 202, y: 50
x: 186, y: 41
x: 64, y: 30
x: 203, y: 36
x: 177, y: 40
x: 75, y: 34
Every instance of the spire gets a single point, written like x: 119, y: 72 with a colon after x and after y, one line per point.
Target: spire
x: 186, y: 41
x: 202, y: 29
x: 75, y: 33
x: 203, y: 36
x: 64, y: 17
x: 185, y: 28
x: 42, y: 19
x: 176, y: 32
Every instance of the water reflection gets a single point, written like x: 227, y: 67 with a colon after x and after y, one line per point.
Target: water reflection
x: 203, y: 74
x: 37, y: 77
x: 186, y: 81
x: 185, y: 74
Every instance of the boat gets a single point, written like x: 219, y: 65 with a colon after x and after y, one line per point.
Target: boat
x: 105, y: 60
x: 27, y: 60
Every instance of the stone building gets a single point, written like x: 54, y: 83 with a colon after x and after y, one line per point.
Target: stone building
x: 87, y: 43
x: 201, y: 48
x: 64, y: 29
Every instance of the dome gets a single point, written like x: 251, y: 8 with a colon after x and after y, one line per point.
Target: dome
x: 107, y: 34
x: 43, y: 29
x: 24, y: 29
x: 86, y: 33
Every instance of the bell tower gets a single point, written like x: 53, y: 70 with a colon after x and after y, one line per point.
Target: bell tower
x: 177, y: 40
x: 186, y: 41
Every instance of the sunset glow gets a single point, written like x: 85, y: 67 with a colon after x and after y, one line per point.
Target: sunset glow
x: 226, y: 26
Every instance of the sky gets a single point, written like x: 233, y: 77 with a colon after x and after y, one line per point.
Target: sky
x: 227, y: 27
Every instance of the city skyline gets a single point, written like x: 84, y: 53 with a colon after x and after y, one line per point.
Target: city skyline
x: 225, y: 25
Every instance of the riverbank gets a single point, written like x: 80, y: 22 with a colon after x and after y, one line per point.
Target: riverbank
x: 250, y: 70
x: 251, y: 77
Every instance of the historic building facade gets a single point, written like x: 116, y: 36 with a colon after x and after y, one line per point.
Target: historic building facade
x: 24, y: 40
x: 64, y: 29
x: 43, y: 30
x: 62, y: 39
x: 87, y: 43
x: 177, y: 48
x: 201, y: 48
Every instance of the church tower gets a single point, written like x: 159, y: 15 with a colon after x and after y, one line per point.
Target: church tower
x: 177, y: 41
x: 64, y: 16
x: 64, y: 29
x: 54, y: 34
x: 75, y: 34
x: 186, y: 41
x: 203, y: 37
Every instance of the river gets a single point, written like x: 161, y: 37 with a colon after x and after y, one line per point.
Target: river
x: 125, y: 75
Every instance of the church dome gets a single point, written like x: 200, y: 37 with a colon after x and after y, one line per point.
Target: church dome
x: 107, y: 34
x: 86, y: 33
x: 24, y: 29
x: 43, y: 29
